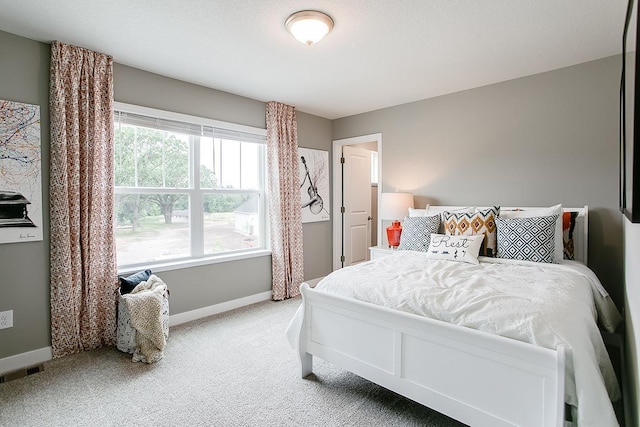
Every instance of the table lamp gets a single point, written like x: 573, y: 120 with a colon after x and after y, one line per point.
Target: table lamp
x: 394, y: 207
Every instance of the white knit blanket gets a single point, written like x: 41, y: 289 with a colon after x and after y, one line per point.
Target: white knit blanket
x: 144, y: 304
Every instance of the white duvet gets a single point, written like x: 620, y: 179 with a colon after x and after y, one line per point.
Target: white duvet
x: 543, y: 304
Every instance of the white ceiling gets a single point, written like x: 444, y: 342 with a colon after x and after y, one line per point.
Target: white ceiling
x: 380, y: 53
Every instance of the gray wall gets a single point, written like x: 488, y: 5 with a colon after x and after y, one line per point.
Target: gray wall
x: 315, y: 133
x: 24, y: 283
x: 537, y: 141
x: 540, y: 140
x: 138, y: 87
x: 198, y: 287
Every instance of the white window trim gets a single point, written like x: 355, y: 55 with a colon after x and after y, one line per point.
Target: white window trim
x: 201, y: 260
x: 179, y: 264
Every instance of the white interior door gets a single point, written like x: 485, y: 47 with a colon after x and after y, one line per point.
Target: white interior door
x: 357, y: 204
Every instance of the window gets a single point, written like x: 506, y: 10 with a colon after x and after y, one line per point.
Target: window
x: 186, y: 188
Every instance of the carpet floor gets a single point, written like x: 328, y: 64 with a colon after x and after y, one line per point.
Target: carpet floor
x: 231, y: 369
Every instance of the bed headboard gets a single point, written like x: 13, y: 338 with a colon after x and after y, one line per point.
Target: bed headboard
x: 580, y: 232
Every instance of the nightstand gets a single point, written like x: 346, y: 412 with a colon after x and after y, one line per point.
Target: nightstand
x: 380, y: 251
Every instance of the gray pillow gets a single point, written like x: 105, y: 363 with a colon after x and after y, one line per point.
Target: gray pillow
x: 416, y: 232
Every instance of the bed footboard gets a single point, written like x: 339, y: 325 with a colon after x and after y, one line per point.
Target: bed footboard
x: 474, y: 377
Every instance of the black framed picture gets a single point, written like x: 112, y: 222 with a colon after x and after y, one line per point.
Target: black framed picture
x: 20, y: 172
x: 630, y: 119
x: 314, y: 184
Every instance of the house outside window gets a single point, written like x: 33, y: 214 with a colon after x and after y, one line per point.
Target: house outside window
x: 186, y: 189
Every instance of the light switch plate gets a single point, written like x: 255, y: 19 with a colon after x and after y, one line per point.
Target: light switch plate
x: 6, y: 319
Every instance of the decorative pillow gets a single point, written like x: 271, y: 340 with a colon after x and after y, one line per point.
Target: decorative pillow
x: 128, y: 283
x: 538, y: 212
x: 527, y: 239
x: 568, y: 225
x: 428, y: 211
x: 473, y: 224
x: 421, y: 212
x: 455, y: 248
x: 416, y: 232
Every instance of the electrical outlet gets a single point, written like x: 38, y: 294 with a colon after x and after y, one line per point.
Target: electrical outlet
x: 6, y: 319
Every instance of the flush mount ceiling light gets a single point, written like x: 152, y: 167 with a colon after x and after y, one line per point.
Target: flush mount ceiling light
x: 309, y: 26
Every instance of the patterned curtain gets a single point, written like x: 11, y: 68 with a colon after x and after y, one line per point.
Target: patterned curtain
x: 284, y: 201
x: 83, y: 264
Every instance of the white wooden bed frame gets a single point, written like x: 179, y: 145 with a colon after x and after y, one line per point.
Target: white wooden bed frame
x: 472, y: 376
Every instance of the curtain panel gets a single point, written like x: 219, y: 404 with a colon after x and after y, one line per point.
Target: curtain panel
x: 83, y: 263
x: 284, y: 201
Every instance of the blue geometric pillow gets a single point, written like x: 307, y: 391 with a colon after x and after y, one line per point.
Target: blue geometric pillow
x: 416, y: 232
x: 527, y: 239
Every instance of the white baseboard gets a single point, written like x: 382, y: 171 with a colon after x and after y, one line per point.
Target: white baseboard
x: 188, y: 316
x: 23, y: 360
x: 41, y: 355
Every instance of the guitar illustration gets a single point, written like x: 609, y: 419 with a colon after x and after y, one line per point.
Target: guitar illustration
x: 314, y: 203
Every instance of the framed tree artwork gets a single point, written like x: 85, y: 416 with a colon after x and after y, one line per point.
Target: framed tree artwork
x: 20, y: 173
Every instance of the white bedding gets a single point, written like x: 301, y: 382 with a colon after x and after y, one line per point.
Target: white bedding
x: 543, y: 304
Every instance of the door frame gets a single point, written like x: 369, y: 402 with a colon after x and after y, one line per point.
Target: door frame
x: 337, y: 189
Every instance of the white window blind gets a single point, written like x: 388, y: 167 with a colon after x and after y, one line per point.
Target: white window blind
x: 187, y: 128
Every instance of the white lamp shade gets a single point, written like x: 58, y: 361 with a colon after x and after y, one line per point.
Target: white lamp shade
x: 395, y: 206
x: 309, y: 26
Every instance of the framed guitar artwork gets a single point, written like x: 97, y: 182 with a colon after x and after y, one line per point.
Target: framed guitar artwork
x: 314, y: 184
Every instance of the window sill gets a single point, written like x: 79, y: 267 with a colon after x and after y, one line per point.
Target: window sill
x: 177, y: 265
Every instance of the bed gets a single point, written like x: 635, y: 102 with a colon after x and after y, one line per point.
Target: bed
x: 463, y: 369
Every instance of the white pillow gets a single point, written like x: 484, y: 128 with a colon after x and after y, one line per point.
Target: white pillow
x: 535, y: 212
x: 421, y: 212
x: 429, y: 211
x: 455, y: 248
